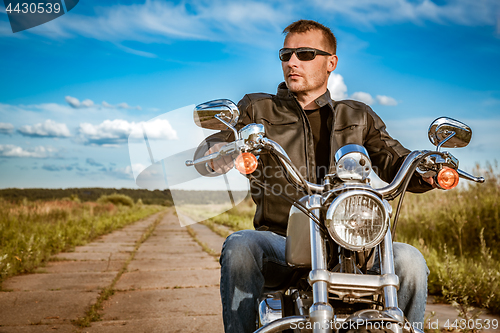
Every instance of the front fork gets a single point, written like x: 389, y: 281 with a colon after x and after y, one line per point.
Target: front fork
x: 321, y: 312
x: 386, y: 257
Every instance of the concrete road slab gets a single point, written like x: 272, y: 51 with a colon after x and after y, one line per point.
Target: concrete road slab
x: 64, y: 328
x: 170, y: 239
x: 194, y: 262
x: 192, y: 252
x: 110, y: 239
x: 68, y: 281
x: 160, y: 303
x: 169, y: 242
x: 81, y: 266
x: 171, y: 324
x: 170, y: 248
x: 172, y: 228
x: 205, y: 235
x: 168, y: 279
x: 43, y: 307
x: 446, y: 314
x: 92, y: 256
x: 163, y: 236
x: 106, y: 247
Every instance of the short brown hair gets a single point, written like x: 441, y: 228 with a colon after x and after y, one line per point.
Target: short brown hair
x: 302, y: 26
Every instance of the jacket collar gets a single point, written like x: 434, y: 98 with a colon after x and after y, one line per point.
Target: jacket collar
x: 321, y: 101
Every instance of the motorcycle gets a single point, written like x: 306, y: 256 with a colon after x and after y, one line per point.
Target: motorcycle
x: 337, y: 228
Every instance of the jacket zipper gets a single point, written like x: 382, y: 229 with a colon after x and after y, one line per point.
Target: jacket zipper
x: 305, y: 121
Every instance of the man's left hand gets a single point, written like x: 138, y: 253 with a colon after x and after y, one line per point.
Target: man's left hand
x: 430, y: 180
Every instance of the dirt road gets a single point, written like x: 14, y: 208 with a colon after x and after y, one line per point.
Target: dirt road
x: 163, y: 281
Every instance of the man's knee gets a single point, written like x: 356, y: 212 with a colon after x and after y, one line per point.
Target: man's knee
x: 240, y: 250
x: 409, y: 262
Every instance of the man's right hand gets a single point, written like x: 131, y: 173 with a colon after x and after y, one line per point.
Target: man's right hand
x: 223, y: 164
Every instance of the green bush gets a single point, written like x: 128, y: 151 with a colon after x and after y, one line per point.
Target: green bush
x: 116, y: 199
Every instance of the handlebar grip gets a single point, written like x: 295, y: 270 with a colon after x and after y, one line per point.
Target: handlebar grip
x: 467, y: 176
x: 203, y: 159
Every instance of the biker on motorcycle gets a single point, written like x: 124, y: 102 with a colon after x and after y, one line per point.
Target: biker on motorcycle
x: 311, y: 127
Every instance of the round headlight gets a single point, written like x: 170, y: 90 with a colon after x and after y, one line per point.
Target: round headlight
x: 357, y: 220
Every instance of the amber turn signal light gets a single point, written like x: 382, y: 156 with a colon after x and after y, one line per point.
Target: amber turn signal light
x: 246, y: 163
x: 447, y: 178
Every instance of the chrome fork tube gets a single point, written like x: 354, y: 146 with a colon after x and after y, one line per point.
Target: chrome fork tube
x: 390, y: 292
x: 321, y: 312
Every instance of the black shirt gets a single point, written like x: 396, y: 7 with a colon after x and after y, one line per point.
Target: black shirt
x: 321, y: 134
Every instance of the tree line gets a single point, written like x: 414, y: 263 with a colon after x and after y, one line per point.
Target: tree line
x: 156, y: 197
x: 148, y: 197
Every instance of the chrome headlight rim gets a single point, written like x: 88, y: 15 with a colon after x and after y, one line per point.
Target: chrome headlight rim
x: 352, y: 163
x: 336, y: 203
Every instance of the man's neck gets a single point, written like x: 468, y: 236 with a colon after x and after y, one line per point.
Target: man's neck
x: 308, y: 100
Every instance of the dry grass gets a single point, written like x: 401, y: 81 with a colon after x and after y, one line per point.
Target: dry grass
x: 30, y: 232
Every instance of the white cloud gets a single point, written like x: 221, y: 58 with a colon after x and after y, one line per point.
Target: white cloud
x: 113, y: 132
x: 6, y: 128
x: 16, y: 151
x: 363, y: 97
x: 126, y: 106
x: 49, y: 129
x: 137, y: 52
x: 160, y: 22
x: 386, y: 100
x: 74, y: 102
x: 372, y: 12
x: 338, y: 91
x: 87, y: 103
x: 107, y: 105
x: 337, y: 87
x: 120, y: 173
x: 46, y: 107
x: 57, y: 168
x: 93, y: 162
x: 136, y: 168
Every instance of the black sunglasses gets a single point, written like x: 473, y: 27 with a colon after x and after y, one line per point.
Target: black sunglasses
x: 303, y: 53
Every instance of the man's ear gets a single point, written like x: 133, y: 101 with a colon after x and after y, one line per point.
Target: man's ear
x: 332, y: 63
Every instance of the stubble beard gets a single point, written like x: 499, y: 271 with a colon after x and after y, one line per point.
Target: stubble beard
x: 296, y: 87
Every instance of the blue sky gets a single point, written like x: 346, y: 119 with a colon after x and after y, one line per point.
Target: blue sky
x: 72, y: 90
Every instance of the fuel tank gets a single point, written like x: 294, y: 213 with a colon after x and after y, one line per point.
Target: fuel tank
x: 298, y: 240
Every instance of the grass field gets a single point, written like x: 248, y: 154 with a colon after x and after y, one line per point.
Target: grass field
x: 30, y: 232
x: 457, y: 231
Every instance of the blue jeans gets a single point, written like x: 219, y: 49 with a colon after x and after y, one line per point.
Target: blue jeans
x: 252, y: 260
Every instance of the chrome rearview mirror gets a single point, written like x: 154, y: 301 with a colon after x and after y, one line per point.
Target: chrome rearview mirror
x: 217, y: 115
x: 449, y: 133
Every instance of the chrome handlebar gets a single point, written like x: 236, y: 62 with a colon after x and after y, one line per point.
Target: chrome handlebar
x: 395, y: 186
x: 467, y: 176
x: 203, y: 159
x: 392, y: 190
x: 315, y: 188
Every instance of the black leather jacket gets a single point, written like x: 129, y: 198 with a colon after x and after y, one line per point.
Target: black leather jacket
x: 285, y: 122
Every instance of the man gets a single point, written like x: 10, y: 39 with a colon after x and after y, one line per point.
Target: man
x: 310, y: 126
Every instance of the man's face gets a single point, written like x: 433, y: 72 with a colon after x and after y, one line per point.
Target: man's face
x: 308, y: 77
